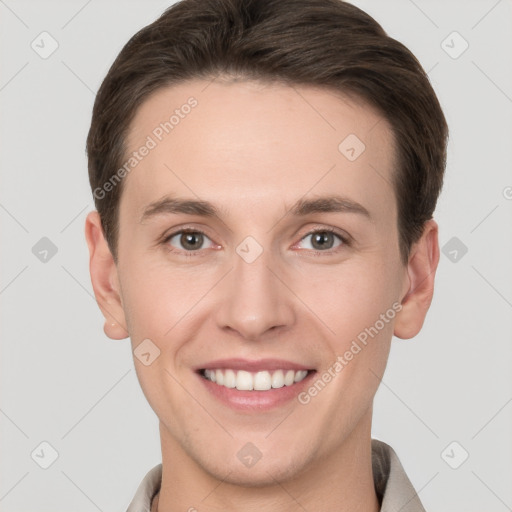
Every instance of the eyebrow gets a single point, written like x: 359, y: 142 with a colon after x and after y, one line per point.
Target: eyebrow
x: 326, y: 204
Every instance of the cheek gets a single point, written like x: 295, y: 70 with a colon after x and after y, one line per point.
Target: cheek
x: 351, y: 296
x: 360, y: 314
x: 358, y: 304
x: 157, y: 296
x: 158, y: 304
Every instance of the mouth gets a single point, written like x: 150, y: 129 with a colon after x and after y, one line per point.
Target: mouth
x: 254, y: 386
x: 243, y: 380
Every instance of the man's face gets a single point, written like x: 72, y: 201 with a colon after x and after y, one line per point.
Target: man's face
x: 253, y: 288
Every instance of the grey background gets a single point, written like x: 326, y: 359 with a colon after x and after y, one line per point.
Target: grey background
x: 64, y: 382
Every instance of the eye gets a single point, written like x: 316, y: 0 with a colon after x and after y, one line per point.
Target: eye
x: 324, y: 240
x: 187, y: 240
x: 190, y: 242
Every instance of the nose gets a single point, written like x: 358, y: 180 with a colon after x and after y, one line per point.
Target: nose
x: 254, y: 301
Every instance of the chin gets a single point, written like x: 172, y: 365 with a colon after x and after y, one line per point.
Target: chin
x: 262, y: 473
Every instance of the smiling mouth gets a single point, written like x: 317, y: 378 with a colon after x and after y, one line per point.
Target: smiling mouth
x: 254, y: 381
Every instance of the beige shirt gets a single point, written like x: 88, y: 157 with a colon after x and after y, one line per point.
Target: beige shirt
x: 393, y: 488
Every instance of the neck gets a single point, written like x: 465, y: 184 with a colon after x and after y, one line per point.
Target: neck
x: 342, y: 481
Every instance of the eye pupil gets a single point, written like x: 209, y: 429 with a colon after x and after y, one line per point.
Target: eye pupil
x: 321, y: 240
x: 191, y: 240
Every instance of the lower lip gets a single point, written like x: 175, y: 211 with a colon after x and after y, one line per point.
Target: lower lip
x: 256, y: 400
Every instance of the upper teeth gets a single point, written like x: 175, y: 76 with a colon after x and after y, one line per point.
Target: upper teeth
x: 259, y: 381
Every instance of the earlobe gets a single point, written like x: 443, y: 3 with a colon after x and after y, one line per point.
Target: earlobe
x: 421, y: 271
x: 104, y: 278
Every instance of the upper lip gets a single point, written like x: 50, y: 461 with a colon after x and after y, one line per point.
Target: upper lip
x: 253, y: 365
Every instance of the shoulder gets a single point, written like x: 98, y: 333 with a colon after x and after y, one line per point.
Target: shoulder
x: 146, y: 491
x: 393, y: 487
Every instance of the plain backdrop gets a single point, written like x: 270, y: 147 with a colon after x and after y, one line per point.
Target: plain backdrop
x: 445, y: 402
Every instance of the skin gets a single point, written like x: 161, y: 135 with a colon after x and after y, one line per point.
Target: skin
x: 253, y: 150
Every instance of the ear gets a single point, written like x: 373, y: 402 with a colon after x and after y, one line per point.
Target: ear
x: 419, y: 287
x: 104, y: 278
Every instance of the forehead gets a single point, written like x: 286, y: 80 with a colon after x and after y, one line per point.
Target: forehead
x: 248, y: 144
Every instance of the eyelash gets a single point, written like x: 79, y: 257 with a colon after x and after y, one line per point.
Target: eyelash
x: 344, y: 239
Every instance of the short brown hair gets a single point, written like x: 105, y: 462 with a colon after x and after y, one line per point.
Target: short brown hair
x: 326, y: 43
